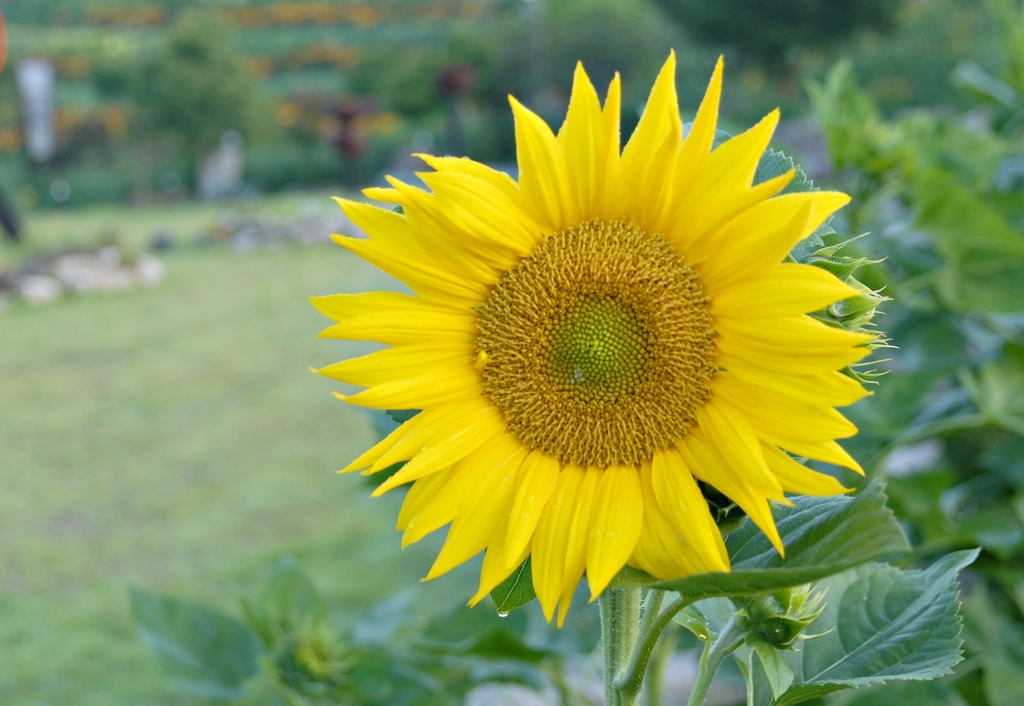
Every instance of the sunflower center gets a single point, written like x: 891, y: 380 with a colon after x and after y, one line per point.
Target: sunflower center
x: 599, y: 345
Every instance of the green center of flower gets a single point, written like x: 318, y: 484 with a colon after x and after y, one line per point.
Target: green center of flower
x: 598, y: 347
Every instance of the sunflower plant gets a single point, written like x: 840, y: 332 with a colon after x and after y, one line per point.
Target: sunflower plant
x: 603, y: 363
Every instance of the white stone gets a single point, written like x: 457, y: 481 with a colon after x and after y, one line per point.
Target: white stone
x: 77, y: 272
x: 150, y: 270
x: 38, y: 289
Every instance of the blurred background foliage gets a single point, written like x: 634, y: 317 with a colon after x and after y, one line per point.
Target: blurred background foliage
x: 311, y: 85
x: 916, y: 108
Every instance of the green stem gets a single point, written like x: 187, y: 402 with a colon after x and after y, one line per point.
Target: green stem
x: 620, y: 623
x: 715, y: 651
x: 631, y: 679
x: 665, y: 649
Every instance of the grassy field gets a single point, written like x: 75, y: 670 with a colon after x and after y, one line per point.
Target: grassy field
x: 173, y: 439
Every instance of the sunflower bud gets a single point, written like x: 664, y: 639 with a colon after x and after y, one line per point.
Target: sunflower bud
x: 780, y: 618
x: 313, y: 659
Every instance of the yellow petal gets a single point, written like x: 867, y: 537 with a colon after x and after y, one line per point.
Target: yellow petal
x: 480, y: 518
x: 427, y: 390
x: 536, y: 482
x: 723, y: 189
x: 791, y: 344
x: 828, y: 451
x: 660, y: 118
x: 662, y: 550
x: 368, y: 457
x: 470, y: 477
x: 651, y: 200
x: 447, y: 449
x: 464, y: 165
x: 420, y: 495
x: 703, y: 459
x: 407, y: 326
x: 686, y: 510
x: 494, y: 569
x: 434, y: 231
x: 576, y: 546
x: 582, y: 141
x: 797, y: 478
x: 385, y: 195
x: 342, y: 307
x: 609, y: 205
x: 402, y: 362
x: 494, y: 224
x: 394, y: 249
x: 831, y: 387
x: 784, y: 290
x: 732, y: 437
x: 615, y: 523
x: 770, y: 413
x: 543, y: 180
x: 697, y: 145
x: 552, y: 537
x: 763, y: 235
x: 426, y: 426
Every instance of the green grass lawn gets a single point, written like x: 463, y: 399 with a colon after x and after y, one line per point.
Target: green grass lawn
x: 174, y: 439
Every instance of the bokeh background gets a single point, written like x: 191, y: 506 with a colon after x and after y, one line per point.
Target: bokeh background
x: 166, y: 170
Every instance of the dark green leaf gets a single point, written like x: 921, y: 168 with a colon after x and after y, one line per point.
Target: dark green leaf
x: 879, y: 624
x: 515, y: 591
x: 774, y: 164
x: 401, y: 416
x: 908, y: 693
x: 822, y: 536
x: 204, y: 652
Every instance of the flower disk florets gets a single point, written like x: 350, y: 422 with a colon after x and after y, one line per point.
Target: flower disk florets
x: 599, y: 345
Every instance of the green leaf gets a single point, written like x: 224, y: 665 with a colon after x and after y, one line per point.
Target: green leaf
x: 879, y: 624
x: 774, y: 666
x: 204, y: 652
x: 480, y: 633
x: 999, y: 390
x: 285, y: 601
x: 515, y: 591
x: 999, y: 641
x: 401, y: 416
x: 968, y: 75
x: 984, y: 252
x: 910, y: 693
x: 774, y: 164
x: 822, y: 536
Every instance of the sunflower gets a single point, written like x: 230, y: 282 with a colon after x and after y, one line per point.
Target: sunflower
x: 588, y: 343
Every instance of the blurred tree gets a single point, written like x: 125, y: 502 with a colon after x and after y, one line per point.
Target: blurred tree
x: 195, y: 85
x: 766, y: 30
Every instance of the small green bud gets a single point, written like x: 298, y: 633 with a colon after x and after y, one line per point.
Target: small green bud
x: 313, y: 659
x: 780, y: 618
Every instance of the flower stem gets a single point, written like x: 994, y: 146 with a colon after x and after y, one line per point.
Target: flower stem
x: 666, y: 646
x: 715, y: 651
x: 620, y: 624
x: 654, y: 621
